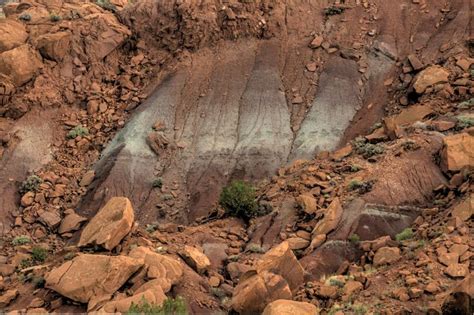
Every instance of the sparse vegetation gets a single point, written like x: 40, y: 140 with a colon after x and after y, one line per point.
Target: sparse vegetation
x: 361, y: 186
x: 158, y: 183
x: 239, y: 200
x: 21, y: 240
x: 39, y: 254
x: 464, y: 121
x: 366, y: 149
x: 78, y: 131
x: 25, y: 17
x: 54, y: 17
x: 150, y: 228
x: 406, y: 234
x: 175, y: 306
x: 466, y: 104
x: 106, y: 5
x: 410, y: 145
x: 354, y: 238
x: 32, y: 183
x: 255, y: 248
x: 333, y: 10
x: 38, y: 281
x: 355, y: 168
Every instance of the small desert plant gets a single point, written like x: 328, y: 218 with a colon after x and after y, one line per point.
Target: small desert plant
x: 21, y: 240
x: 25, y: 17
x: 466, y: 104
x: 332, y: 10
x: 354, y: 238
x: 355, y: 168
x: 464, y: 122
x: 410, y: 145
x: 39, y: 254
x: 32, y: 183
x: 255, y: 248
x: 54, y: 17
x: 38, y: 281
x: 170, y: 307
x: 239, y: 199
x: 78, y: 131
x: 361, y: 186
x: 150, y: 228
x: 366, y: 149
x: 406, y: 234
x: 157, y: 183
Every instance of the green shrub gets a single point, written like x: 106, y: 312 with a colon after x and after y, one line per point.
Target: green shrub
x: 54, y: 17
x: 25, y: 17
x: 32, y: 183
x: 39, y: 254
x: 38, y: 281
x: 332, y: 10
x: 157, y: 183
x: 406, y: 234
x: 170, y: 307
x: 255, y: 248
x: 78, y: 131
x: 361, y: 186
x: 355, y: 168
x: 21, y: 240
x: 354, y: 238
x: 466, y: 104
x: 239, y: 200
x: 464, y: 121
x: 366, y: 149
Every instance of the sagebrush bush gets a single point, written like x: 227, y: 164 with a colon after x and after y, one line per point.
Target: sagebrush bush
x: 21, y: 240
x: 406, y: 234
x: 78, y: 131
x: 39, y: 254
x: 32, y: 183
x: 366, y: 149
x: 239, y: 200
x: 170, y: 306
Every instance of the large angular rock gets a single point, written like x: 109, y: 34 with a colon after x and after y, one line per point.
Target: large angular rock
x: 288, y: 307
x: 252, y: 294
x: 20, y: 64
x: 386, y: 255
x: 54, y: 46
x: 430, y: 76
x: 7, y: 297
x: 307, y: 202
x: 195, y: 258
x: 457, y: 152
x: 280, y: 260
x: 464, y: 210
x: 407, y: 116
x: 331, y: 219
x: 166, y: 269
x: 13, y: 34
x: 151, y: 294
x: 71, y: 222
x: 110, y: 225
x: 88, y: 276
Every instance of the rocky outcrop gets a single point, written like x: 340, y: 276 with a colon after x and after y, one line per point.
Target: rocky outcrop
x: 253, y: 294
x: 281, y: 261
x: 110, y: 225
x: 288, y: 307
x: 13, y: 34
x: 429, y: 77
x: 168, y: 271
x: 332, y: 217
x: 386, y: 255
x: 54, y: 46
x: 71, y: 222
x: 457, y: 152
x: 21, y: 64
x: 91, y: 276
x: 195, y: 258
x: 276, y: 275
